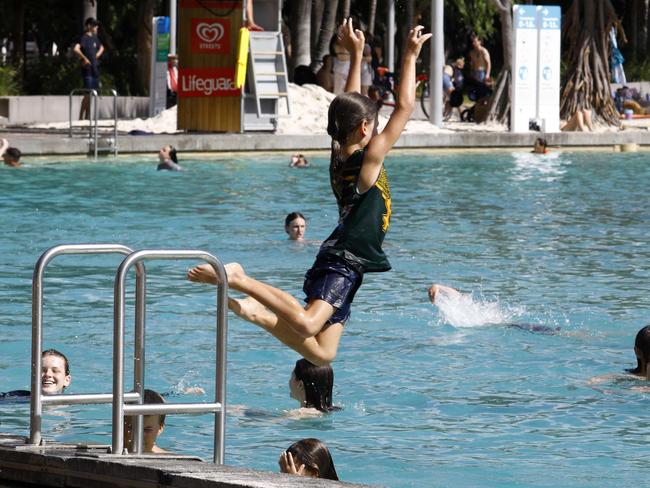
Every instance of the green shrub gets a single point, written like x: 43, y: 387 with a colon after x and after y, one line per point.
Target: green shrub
x: 8, y: 84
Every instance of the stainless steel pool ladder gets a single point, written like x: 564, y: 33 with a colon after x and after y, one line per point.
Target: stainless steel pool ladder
x: 93, y: 126
x: 118, y: 397
x: 120, y: 408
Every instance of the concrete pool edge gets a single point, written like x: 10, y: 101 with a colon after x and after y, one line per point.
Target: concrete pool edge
x: 41, y: 144
x: 65, y: 466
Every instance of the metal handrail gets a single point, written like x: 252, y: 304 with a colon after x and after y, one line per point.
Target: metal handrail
x: 94, y: 95
x: 93, y: 129
x: 219, y: 404
x: 37, y: 399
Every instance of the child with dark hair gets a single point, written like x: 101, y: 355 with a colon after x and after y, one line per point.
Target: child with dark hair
x: 295, y: 225
x: 10, y: 155
x: 168, y: 159
x: 153, y: 426
x: 55, y: 376
x: 540, y: 146
x: 360, y: 185
x: 642, y: 352
x: 312, y: 386
x: 308, y: 457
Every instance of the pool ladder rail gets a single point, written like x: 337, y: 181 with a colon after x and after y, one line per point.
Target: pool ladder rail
x: 128, y: 403
x: 106, y: 143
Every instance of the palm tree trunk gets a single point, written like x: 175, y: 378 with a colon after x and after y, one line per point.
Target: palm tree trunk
x: 145, y: 19
x: 300, y: 34
x: 325, y: 33
x: 499, y: 106
x: 371, y: 17
x: 346, y: 9
x: 89, y: 9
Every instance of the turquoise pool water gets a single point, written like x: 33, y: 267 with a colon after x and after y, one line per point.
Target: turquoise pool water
x: 428, y: 399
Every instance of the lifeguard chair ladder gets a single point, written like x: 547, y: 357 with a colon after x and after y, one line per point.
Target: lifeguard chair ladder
x: 118, y: 397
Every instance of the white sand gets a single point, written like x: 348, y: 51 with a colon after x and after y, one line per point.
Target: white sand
x: 309, y: 105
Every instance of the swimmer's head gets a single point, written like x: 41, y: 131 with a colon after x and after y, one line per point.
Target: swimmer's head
x: 314, y: 455
x: 11, y: 156
x: 352, y: 117
x: 312, y: 385
x: 55, y: 372
x: 153, y: 424
x: 168, y: 152
x: 642, y: 351
x: 540, y: 145
x: 295, y: 225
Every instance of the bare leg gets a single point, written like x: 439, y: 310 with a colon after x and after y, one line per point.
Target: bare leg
x: 319, y: 350
x: 307, y: 322
x: 587, y: 119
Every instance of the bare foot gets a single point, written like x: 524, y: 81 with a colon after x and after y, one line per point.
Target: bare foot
x: 236, y: 275
x: 204, y: 273
x: 436, y: 288
x: 253, y: 311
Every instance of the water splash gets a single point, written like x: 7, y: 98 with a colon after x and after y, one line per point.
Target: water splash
x: 462, y: 310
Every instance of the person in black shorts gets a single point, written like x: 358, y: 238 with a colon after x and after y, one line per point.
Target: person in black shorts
x: 89, y: 49
x: 360, y: 185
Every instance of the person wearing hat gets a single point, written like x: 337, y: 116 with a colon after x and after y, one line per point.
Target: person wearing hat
x: 89, y: 49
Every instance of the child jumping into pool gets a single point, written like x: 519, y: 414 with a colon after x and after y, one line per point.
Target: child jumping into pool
x: 360, y: 186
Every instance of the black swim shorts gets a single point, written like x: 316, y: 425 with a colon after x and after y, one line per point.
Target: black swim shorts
x: 332, y: 280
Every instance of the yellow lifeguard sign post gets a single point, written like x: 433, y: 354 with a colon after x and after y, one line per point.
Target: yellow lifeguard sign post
x: 208, y: 99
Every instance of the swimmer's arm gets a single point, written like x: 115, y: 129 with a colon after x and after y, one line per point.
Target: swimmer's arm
x: 3, y: 146
x: 379, y: 145
x: 354, y: 41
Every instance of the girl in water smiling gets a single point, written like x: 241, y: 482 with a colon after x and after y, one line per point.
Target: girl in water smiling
x: 360, y: 185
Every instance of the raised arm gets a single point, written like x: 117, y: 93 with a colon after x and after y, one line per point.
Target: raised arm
x: 353, y: 40
x: 379, y: 145
x: 4, y: 144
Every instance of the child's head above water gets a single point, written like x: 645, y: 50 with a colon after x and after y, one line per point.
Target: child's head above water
x: 312, y: 385
x: 55, y: 372
x: 314, y: 456
x: 642, y: 351
x: 153, y: 425
x: 349, y: 113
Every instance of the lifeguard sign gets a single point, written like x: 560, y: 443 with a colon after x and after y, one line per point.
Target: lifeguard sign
x: 207, y: 97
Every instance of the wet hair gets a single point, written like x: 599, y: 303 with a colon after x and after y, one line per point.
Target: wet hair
x: 318, y: 382
x: 152, y: 396
x: 346, y: 113
x: 14, y: 153
x: 172, y: 154
x: 293, y: 216
x: 541, y: 142
x: 315, y: 456
x: 642, y: 343
x: 54, y: 352
x: 91, y: 22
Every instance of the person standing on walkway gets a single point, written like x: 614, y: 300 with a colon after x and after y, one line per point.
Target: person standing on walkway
x: 89, y: 49
x: 480, y: 64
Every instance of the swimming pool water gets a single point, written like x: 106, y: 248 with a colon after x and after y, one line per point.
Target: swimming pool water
x: 557, y: 240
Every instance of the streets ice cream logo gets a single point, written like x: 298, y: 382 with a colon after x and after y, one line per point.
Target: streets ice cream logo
x: 210, y: 35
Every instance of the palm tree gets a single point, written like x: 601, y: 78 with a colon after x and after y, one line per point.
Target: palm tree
x: 346, y: 9
x: 325, y: 33
x: 371, y: 17
x: 300, y: 34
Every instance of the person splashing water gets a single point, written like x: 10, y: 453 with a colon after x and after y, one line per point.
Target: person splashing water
x: 461, y: 310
